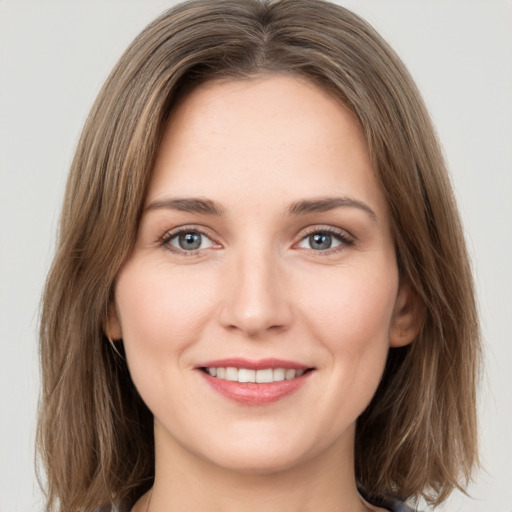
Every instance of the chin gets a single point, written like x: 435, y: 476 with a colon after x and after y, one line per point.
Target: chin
x: 259, y: 454
x: 250, y: 462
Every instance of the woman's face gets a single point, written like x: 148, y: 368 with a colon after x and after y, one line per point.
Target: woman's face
x: 264, y: 248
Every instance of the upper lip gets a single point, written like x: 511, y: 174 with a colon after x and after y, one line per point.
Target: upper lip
x: 253, y: 364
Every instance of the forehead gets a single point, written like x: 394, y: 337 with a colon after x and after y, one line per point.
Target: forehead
x: 273, y: 132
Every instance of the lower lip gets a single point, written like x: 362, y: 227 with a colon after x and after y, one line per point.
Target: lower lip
x: 255, y: 393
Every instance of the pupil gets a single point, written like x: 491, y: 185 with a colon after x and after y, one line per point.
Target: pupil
x: 320, y: 241
x: 190, y: 241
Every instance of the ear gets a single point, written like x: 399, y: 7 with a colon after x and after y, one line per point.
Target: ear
x: 112, y: 326
x: 407, y: 318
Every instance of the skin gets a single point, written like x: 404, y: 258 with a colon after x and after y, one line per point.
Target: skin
x: 257, y: 288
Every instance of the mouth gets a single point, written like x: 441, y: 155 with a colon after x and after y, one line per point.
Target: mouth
x: 248, y: 375
x: 255, y: 382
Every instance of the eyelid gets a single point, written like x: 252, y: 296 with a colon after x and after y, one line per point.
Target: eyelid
x: 345, y: 238
x: 170, y: 234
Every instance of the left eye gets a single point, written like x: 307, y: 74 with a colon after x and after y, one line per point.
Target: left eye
x: 189, y: 241
x: 321, y: 241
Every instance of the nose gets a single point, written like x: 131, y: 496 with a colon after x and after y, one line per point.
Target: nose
x: 255, y: 296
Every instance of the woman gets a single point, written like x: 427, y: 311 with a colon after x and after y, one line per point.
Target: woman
x: 258, y: 224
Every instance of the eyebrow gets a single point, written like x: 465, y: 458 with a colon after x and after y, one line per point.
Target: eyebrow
x: 325, y: 204
x: 194, y: 205
x: 303, y: 207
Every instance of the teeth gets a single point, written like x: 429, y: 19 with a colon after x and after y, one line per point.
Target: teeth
x: 265, y: 375
x: 289, y: 374
x: 245, y: 375
x: 278, y: 374
x: 260, y: 376
x: 231, y: 373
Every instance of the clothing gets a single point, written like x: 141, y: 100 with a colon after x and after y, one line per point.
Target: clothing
x: 391, y: 504
x: 388, y: 503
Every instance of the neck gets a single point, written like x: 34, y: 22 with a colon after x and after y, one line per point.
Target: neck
x: 188, y: 483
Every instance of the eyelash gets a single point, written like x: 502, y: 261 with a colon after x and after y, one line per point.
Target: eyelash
x: 341, y: 236
x: 165, y: 240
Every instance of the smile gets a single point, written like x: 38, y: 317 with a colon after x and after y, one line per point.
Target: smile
x: 255, y: 383
x: 247, y: 375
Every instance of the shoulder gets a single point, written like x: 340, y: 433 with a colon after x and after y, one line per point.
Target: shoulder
x: 386, y: 502
x: 398, y: 506
x: 113, y: 508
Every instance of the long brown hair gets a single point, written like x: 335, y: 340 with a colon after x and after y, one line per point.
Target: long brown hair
x: 418, y: 436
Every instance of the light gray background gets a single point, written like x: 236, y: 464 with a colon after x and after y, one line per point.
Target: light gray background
x: 54, y: 56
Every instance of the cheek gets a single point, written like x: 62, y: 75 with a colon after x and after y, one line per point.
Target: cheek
x: 351, y: 306
x: 161, y: 313
x: 350, y: 315
x: 351, y: 320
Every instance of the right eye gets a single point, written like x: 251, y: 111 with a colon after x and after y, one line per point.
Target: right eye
x: 187, y: 241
